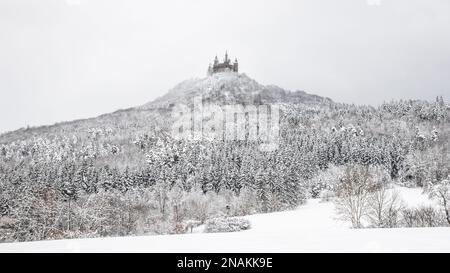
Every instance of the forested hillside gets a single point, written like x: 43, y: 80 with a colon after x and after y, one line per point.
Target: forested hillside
x: 123, y: 173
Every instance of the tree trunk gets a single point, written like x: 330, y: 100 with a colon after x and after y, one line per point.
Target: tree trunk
x: 447, y: 214
x: 69, y: 216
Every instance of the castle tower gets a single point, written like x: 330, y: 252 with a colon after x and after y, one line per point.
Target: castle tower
x: 235, y: 65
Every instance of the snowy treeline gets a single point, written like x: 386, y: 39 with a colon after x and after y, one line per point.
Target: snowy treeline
x: 122, y: 178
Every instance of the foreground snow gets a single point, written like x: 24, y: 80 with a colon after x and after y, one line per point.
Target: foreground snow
x: 311, y: 228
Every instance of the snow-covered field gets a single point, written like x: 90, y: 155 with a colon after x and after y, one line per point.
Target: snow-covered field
x: 311, y: 228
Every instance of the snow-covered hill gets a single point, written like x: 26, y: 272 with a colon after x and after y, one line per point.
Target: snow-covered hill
x: 311, y: 228
x: 221, y: 88
x: 228, y: 88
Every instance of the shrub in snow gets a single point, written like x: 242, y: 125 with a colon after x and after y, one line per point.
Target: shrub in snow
x: 425, y: 216
x: 325, y: 181
x: 197, y: 206
x: 217, y: 203
x: 327, y: 195
x: 223, y: 224
x: 200, y: 206
x: 179, y: 228
x: 189, y: 225
x: 316, y: 188
x: 245, y: 203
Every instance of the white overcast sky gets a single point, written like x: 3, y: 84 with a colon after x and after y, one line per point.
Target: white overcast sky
x: 68, y: 59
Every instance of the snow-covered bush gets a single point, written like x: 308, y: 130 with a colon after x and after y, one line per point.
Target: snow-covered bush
x: 218, y: 204
x: 189, y: 225
x: 245, y: 203
x: 225, y: 224
x: 160, y: 226
x: 424, y: 216
x: 327, y: 195
x: 197, y: 206
x: 326, y: 180
x: 202, y: 206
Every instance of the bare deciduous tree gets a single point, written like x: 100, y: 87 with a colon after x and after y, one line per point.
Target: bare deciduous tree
x: 384, y: 207
x: 441, y: 192
x: 353, y: 194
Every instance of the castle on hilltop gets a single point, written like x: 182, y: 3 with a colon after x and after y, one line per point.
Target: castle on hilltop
x: 226, y: 66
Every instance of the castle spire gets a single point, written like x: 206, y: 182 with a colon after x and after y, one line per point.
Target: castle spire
x: 226, y: 56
